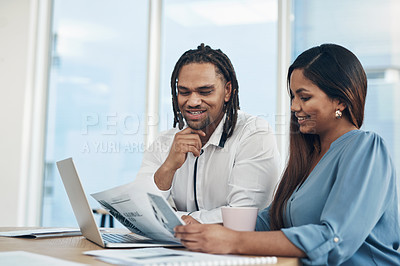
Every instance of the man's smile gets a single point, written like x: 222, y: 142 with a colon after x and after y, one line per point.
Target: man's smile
x: 195, y: 114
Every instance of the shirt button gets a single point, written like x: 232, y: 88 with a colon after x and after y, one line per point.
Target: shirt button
x: 336, y: 239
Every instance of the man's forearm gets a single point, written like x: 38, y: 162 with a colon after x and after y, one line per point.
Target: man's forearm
x: 164, y: 176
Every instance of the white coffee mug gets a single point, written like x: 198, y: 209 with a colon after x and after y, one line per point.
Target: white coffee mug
x: 239, y: 218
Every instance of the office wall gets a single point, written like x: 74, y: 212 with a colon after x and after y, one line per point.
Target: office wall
x: 14, y: 32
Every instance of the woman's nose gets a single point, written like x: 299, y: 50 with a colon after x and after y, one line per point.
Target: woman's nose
x: 294, y: 106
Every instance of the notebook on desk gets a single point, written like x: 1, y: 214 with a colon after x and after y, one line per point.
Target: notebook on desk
x: 85, y: 218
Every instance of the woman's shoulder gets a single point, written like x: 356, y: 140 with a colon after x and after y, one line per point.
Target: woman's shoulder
x: 366, y: 134
x: 360, y: 138
x: 362, y: 143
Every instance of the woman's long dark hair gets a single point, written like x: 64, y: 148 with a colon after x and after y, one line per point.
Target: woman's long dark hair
x: 337, y: 72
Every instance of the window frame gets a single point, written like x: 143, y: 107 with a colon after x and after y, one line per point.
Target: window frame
x: 30, y: 210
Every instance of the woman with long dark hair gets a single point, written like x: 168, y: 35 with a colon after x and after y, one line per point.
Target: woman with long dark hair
x: 337, y: 199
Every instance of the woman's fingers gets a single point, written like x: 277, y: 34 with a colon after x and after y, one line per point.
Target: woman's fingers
x: 189, y: 229
x: 211, y: 238
x: 189, y: 219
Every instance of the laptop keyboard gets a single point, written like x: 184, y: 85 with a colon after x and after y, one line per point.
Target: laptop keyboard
x: 122, y: 238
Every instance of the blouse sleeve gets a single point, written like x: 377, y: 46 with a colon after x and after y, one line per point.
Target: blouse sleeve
x: 364, y: 186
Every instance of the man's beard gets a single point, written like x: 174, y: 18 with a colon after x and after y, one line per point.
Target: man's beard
x: 198, y: 126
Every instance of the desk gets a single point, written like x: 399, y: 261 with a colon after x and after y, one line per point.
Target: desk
x: 71, y: 248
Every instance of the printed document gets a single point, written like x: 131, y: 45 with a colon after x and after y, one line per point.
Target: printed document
x: 43, y: 232
x: 164, y: 256
x: 12, y: 258
x: 143, y: 212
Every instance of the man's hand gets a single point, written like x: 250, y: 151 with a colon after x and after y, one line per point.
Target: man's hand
x: 187, y: 140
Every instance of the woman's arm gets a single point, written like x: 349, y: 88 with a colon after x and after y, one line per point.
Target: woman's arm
x: 361, y: 198
x: 212, y: 238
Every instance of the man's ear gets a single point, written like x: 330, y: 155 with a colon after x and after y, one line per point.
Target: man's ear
x: 228, y: 91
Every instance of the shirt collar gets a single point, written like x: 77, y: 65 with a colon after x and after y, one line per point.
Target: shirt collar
x: 217, y: 138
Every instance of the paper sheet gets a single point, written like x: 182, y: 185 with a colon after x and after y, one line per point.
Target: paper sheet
x: 43, y: 232
x: 12, y: 258
x: 164, y: 256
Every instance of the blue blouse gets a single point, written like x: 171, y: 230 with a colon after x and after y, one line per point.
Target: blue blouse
x: 346, y: 212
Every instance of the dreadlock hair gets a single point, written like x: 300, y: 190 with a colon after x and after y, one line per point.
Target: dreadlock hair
x: 224, y: 67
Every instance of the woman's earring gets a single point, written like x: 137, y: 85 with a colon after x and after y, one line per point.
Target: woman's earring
x: 338, y: 114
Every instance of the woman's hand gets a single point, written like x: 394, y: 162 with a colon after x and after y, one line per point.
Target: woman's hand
x: 189, y: 219
x: 214, y: 238
x: 210, y: 238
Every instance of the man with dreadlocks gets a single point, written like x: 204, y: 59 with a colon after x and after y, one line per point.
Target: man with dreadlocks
x: 222, y: 157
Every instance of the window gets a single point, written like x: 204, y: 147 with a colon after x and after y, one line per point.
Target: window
x: 96, y: 99
x: 372, y: 31
x: 246, y: 31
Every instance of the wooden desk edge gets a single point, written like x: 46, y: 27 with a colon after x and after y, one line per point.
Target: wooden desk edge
x: 70, y: 248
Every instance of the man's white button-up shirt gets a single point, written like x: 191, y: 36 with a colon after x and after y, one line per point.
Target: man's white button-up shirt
x: 243, y: 171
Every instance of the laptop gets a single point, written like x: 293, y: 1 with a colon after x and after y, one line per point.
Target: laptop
x: 84, y: 216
